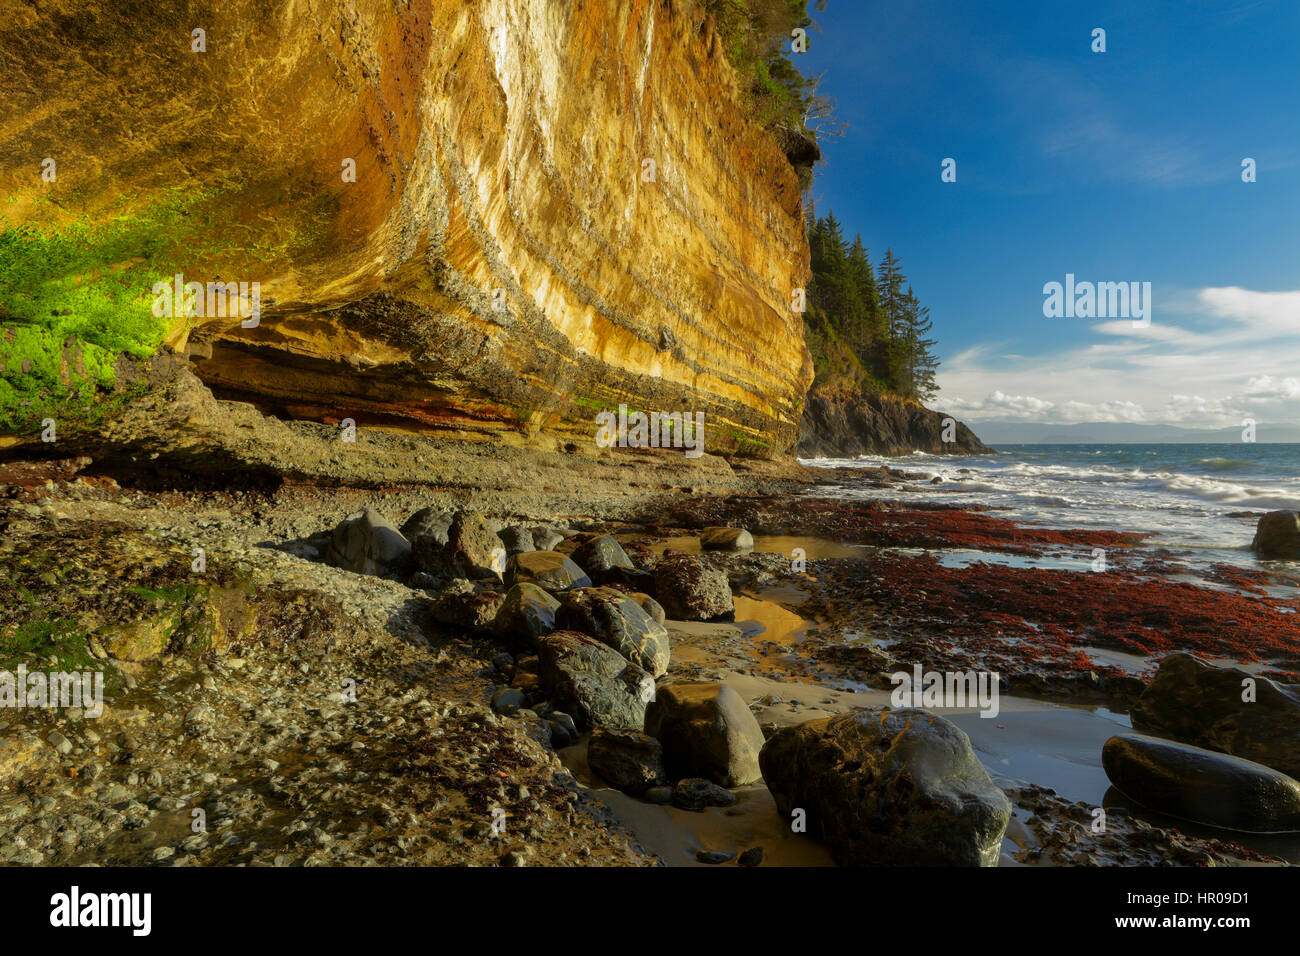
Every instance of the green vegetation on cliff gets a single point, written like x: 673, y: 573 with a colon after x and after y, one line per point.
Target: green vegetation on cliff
x: 77, y: 295
x: 757, y: 36
x: 865, y: 327
x: 72, y: 298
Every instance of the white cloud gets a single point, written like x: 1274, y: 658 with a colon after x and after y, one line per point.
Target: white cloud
x: 1118, y: 411
x: 1216, y: 359
x: 1276, y: 312
x: 1266, y: 388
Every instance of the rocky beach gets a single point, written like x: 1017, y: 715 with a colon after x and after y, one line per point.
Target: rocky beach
x: 604, y: 664
x: 462, y: 435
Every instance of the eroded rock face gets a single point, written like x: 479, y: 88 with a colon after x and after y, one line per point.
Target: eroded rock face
x: 840, y: 422
x: 1197, y: 703
x: 888, y: 788
x: 555, y: 208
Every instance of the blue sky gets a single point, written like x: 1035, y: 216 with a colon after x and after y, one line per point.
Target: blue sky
x: 1123, y: 166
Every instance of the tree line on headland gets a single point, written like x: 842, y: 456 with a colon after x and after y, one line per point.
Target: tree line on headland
x: 864, y: 325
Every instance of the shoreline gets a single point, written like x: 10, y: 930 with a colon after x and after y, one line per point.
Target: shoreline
x: 804, y: 644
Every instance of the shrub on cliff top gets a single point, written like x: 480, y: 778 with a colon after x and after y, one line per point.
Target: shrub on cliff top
x: 756, y: 36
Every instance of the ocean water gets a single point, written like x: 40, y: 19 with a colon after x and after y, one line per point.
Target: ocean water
x: 1184, y: 496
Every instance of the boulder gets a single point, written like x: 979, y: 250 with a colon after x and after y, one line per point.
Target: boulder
x: 1278, y: 535
x: 428, y: 522
x: 461, y: 605
x: 691, y: 591
x: 888, y: 788
x: 696, y: 793
x: 508, y: 701
x: 516, y: 539
x: 601, y: 557
x: 369, y: 543
x: 526, y: 612
x: 564, y: 731
x: 471, y: 549
x: 630, y: 761
x: 593, y: 681
x: 546, y: 569
x: 726, y: 539
x: 613, y: 618
x: 545, y: 539
x: 642, y: 555
x: 1200, y: 704
x: 706, y: 731
x: 1202, y: 786
x: 650, y: 606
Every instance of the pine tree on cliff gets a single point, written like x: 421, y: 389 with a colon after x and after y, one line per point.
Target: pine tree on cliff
x: 919, y: 362
x: 892, y: 357
x: 866, y: 327
x: 829, y: 266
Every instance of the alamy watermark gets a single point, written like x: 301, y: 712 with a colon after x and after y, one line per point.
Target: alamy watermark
x: 977, y: 689
x: 657, y: 430
x: 53, y: 689
x: 1098, y: 300
x: 210, y: 300
x: 75, y: 908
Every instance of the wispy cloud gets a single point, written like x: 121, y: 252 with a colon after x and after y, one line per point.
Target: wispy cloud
x: 1229, y: 355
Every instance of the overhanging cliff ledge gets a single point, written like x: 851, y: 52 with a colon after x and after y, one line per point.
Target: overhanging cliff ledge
x: 556, y: 208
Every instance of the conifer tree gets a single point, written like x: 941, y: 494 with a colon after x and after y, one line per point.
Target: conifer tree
x: 865, y: 325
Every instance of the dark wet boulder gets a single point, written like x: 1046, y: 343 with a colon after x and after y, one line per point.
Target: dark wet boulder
x: 650, y: 606
x: 527, y: 612
x: 1202, y: 786
x: 546, y: 569
x: 630, y: 761
x: 726, y: 539
x: 601, y: 557
x: 471, y: 549
x: 1278, y: 535
x: 698, y: 794
x: 428, y: 522
x: 461, y: 605
x: 613, y: 618
x: 1200, y: 704
x: 888, y: 788
x: 689, y: 590
x: 706, y: 731
x: 369, y: 543
x: 564, y: 731
x: 593, y: 681
x: 508, y: 701
x: 544, y: 538
x: 516, y: 539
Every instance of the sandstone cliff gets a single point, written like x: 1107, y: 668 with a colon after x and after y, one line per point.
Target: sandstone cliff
x: 557, y: 207
x: 840, y: 423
